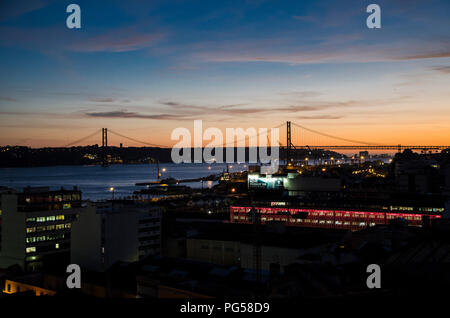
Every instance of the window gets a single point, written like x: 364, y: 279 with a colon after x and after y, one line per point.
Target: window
x: 31, y: 249
x: 57, y: 245
x: 40, y: 238
x: 31, y: 229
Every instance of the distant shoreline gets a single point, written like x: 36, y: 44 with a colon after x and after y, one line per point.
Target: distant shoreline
x: 22, y: 156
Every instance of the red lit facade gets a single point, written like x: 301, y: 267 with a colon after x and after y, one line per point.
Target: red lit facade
x: 336, y: 219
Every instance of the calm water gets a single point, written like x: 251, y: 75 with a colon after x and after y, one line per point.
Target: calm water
x: 95, y: 181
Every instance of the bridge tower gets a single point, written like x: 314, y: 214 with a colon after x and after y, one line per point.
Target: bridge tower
x: 104, y: 147
x: 288, y: 142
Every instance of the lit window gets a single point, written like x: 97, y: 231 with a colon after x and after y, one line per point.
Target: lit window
x: 31, y: 249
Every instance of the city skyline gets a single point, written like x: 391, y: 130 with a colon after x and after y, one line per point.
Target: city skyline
x: 145, y: 69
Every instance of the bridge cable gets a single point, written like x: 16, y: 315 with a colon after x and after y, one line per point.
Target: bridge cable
x: 82, y: 139
x: 335, y: 137
x: 251, y: 137
x: 136, y: 140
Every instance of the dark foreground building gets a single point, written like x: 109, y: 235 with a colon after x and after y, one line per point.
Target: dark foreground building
x: 35, y: 227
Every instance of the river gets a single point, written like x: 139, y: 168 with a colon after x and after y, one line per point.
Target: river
x: 95, y: 181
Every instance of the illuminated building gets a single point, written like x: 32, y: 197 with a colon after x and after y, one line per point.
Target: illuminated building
x: 324, y: 201
x: 115, y: 231
x: 12, y: 287
x: 35, y: 226
x: 330, y: 218
x: 291, y: 183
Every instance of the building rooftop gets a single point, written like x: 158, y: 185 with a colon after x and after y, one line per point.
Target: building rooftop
x: 272, y: 234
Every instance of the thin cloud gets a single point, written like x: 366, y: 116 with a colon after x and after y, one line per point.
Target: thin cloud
x: 442, y: 69
x: 121, y: 40
x: 34, y: 114
x: 337, y: 49
x: 7, y: 99
x: 127, y: 114
x: 209, y: 110
x: 303, y: 105
x: 17, y: 8
x: 320, y: 117
x: 435, y: 55
x: 54, y: 41
x: 302, y: 94
x: 356, y: 55
x: 102, y: 100
x: 188, y: 111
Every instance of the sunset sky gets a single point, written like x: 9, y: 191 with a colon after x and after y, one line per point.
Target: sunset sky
x: 143, y: 68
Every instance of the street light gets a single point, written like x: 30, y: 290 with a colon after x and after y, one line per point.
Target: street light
x: 112, y: 192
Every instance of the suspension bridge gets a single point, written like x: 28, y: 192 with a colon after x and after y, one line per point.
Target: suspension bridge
x: 292, y: 137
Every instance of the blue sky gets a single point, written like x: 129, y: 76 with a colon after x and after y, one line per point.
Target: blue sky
x: 146, y: 67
